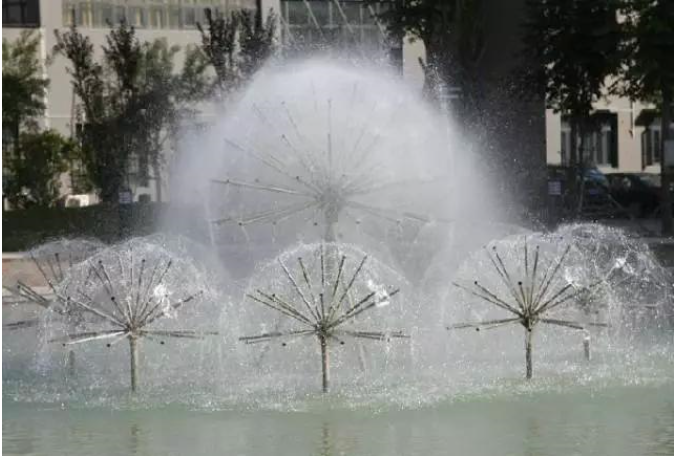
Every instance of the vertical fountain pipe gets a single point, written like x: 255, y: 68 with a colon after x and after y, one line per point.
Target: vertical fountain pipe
x: 324, y: 363
x: 528, y: 353
x: 587, y: 345
x: 133, y: 367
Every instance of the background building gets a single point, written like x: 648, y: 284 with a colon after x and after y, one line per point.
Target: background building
x: 626, y: 138
x: 305, y: 27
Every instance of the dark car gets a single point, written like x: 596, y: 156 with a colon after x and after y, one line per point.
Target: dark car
x: 639, y: 193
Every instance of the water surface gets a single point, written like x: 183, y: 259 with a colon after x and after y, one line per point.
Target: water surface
x: 629, y: 420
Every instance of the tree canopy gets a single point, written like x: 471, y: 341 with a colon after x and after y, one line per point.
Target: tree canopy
x: 131, y: 101
x: 36, y: 168
x: 24, y: 85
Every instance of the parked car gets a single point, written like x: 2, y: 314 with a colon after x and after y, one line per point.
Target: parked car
x: 639, y: 193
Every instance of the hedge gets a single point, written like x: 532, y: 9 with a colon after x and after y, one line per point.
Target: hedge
x: 24, y: 229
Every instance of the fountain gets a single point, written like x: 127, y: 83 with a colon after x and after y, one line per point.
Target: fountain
x: 333, y: 155
x: 531, y: 297
x: 631, y: 277
x: 324, y: 302
x: 123, y: 293
x: 53, y: 260
x: 325, y: 189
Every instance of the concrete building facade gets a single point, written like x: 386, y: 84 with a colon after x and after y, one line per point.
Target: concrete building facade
x: 300, y: 22
x: 627, y: 138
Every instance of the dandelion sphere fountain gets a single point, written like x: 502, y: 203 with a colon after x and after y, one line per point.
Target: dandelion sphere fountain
x: 325, y: 302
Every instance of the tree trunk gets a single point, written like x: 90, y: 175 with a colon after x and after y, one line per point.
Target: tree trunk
x: 572, y: 161
x: 587, y: 346
x: 528, y: 353
x: 71, y: 363
x: 133, y: 352
x: 324, y: 363
x: 331, y: 215
x: 156, y: 169
x: 666, y: 177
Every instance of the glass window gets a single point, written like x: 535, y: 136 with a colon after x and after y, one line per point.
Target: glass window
x: 297, y: 13
x: 158, y: 17
x: 656, y: 145
x: 352, y: 10
x: 21, y: 13
x: 175, y: 18
x: 102, y: 14
x: 120, y: 14
x: 189, y: 17
x: 138, y: 16
x: 68, y: 14
x: 321, y: 12
x: 647, y: 148
x: 606, y: 145
x: 651, y: 144
x: 85, y: 18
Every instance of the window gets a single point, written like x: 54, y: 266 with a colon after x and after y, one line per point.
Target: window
x: 598, y: 147
x: 175, y: 17
x: 321, y: 13
x: 564, y: 145
x: 334, y: 25
x: 138, y: 16
x: 79, y: 182
x: 157, y: 17
x: 21, y: 13
x: 297, y: 13
x: 651, y: 144
x: 189, y: 17
x: 155, y: 14
x: 105, y: 14
x: 120, y: 14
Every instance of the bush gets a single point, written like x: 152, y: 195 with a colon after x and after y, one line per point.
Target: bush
x: 36, y: 167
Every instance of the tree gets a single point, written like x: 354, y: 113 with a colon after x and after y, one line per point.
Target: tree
x: 36, y: 168
x: 219, y: 45
x: 256, y: 40
x: 431, y: 21
x: 571, y: 49
x: 647, y: 71
x: 237, y: 45
x: 24, y: 86
x: 132, y: 101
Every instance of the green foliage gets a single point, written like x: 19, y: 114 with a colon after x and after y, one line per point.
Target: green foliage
x: 647, y: 70
x: 25, y: 229
x: 256, y: 40
x: 431, y: 21
x: 23, y: 85
x: 133, y: 101
x: 36, y: 167
x: 571, y: 49
x: 237, y: 45
x: 219, y: 46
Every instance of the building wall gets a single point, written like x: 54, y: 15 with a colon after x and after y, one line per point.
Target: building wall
x: 60, y: 100
x: 629, y: 136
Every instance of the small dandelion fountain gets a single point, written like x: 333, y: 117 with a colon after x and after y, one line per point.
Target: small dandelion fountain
x: 52, y: 260
x: 123, y: 294
x: 324, y: 304
x: 530, y: 298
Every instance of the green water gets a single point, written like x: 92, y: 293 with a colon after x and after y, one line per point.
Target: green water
x: 629, y: 420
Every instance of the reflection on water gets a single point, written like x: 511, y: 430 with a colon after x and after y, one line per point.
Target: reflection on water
x: 629, y: 421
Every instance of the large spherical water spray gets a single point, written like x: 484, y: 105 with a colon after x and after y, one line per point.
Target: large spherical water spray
x: 323, y: 152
